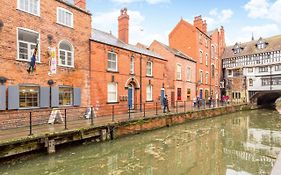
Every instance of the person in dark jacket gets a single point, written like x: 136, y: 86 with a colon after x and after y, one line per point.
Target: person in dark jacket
x: 166, y: 104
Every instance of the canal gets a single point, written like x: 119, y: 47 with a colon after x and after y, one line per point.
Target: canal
x: 245, y: 143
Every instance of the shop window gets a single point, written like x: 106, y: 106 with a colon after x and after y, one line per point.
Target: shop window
x: 28, y: 96
x: 65, y: 96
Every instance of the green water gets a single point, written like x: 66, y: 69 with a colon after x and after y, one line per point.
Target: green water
x: 242, y: 143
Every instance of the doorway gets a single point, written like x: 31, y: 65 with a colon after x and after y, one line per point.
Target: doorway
x: 131, y: 95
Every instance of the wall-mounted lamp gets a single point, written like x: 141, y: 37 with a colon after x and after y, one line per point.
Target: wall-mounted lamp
x: 3, y: 80
x: 51, y: 82
x: 50, y: 39
x: 1, y: 24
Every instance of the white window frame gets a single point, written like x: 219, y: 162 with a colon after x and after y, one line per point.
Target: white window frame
x: 207, y: 59
x: 132, y: 65
x: 188, y: 74
x: 28, y: 56
x: 38, y: 8
x: 116, y: 93
x: 66, y: 52
x: 151, y: 63
x: 213, y: 51
x: 201, y: 56
x: 149, y: 98
x: 116, y: 67
x: 206, y: 77
x: 180, y: 77
x: 201, y: 76
x: 67, y: 11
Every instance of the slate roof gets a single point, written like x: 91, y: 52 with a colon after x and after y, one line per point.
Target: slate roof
x: 109, y: 39
x: 177, y: 52
x: 250, y: 48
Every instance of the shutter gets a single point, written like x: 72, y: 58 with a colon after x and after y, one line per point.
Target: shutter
x: 76, y: 96
x: 55, y: 96
x: 44, y: 97
x: 13, y: 97
x: 2, y: 97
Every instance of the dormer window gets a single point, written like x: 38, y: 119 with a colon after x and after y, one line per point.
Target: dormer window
x: 261, y: 44
x: 237, y: 49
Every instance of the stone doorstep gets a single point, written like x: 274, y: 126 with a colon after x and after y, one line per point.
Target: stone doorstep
x: 277, y: 166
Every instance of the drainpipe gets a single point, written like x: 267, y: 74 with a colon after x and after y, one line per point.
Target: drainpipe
x: 140, y: 82
x: 90, y: 75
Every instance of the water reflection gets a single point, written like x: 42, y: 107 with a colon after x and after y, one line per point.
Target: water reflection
x: 242, y: 143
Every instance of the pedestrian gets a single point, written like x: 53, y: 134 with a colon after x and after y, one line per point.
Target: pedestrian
x: 198, y: 103
x: 166, y: 104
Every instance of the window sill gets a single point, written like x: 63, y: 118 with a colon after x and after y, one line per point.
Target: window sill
x: 26, y: 108
x: 149, y: 101
x: 111, y: 103
x: 112, y: 71
x: 149, y: 76
x: 36, y: 15
x: 64, y: 25
x: 65, y: 66
x: 27, y: 61
x: 178, y: 79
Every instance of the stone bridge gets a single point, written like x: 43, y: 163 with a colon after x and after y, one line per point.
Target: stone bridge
x: 265, y: 98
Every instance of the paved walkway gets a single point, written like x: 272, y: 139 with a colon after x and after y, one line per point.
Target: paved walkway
x: 23, y: 132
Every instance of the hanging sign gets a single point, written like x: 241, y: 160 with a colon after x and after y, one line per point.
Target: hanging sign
x: 53, y: 61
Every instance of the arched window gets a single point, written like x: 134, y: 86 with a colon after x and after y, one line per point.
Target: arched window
x: 66, y: 54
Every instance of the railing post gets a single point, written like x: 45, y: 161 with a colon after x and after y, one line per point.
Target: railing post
x: 113, y: 113
x: 184, y: 108
x: 129, y: 112
x: 92, y: 116
x: 65, y: 123
x: 30, y: 123
x: 156, y: 109
x: 176, y: 106
x: 144, y: 110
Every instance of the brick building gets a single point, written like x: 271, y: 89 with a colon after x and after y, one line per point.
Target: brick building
x: 180, y: 82
x: 62, y: 29
x: 206, y: 48
x: 122, y: 73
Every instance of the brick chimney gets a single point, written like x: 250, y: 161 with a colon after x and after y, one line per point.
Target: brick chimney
x: 204, y: 29
x: 198, y: 22
x: 80, y: 3
x: 123, y: 26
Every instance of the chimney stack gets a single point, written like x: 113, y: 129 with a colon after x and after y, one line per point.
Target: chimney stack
x: 80, y: 3
x: 198, y: 22
x: 123, y: 26
x: 204, y: 29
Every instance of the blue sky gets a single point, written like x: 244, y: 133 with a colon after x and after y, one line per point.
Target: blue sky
x: 154, y: 19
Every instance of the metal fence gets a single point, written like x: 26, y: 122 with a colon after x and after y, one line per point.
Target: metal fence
x: 21, y: 123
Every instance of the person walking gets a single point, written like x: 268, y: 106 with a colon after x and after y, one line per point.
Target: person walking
x: 166, y: 104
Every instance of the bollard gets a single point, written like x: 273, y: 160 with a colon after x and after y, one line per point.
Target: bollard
x: 92, y: 116
x: 129, y: 112
x: 65, y: 125
x: 113, y: 113
x: 144, y: 110
x: 30, y: 123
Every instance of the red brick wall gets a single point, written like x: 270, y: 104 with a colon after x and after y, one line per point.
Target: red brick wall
x: 45, y: 24
x: 100, y: 77
x: 172, y: 84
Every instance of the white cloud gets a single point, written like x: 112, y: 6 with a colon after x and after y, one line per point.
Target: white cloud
x: 108, y: 22
x: 246, y: 32
x: 148, y: 1
x: 264, y: 9
x: 218, y: 17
